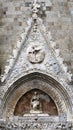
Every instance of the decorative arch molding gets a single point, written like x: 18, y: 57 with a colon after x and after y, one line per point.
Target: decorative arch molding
x: 42, y: 82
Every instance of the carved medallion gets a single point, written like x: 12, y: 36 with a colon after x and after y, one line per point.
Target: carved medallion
x: 36, y: 54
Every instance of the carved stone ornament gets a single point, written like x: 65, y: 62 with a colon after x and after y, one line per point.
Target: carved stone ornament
x: 36, y: 54
x: 35, y: 104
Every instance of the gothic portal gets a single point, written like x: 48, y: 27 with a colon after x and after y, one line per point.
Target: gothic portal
x: 35, y: 90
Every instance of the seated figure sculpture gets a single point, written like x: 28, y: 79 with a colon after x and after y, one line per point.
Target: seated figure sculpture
x: 35, y: 104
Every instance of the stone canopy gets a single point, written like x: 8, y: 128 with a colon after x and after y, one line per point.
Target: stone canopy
x: 36, y: 81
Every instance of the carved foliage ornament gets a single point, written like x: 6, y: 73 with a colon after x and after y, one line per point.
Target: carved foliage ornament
x: 36, y: 54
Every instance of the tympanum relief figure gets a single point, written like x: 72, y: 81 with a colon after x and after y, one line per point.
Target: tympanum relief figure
x: 35, y: 104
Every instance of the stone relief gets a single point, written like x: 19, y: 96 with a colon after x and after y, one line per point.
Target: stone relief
x: 35, y: 9
x: 39, y: 9
x: 35, y: 125
x: 36, y: 54
x: 35, y: 103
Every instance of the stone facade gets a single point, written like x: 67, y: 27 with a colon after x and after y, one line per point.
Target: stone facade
x: 35, y: 64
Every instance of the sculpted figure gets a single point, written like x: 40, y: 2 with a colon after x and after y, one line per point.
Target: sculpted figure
x: 35, y: 104
x: 36, y: 54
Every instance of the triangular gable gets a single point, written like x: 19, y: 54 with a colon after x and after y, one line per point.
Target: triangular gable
x: 38, y: 38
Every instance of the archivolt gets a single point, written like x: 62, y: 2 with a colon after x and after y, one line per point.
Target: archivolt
x: 39, y: 81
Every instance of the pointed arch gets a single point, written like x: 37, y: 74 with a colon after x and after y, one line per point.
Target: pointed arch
x: 40, y: 81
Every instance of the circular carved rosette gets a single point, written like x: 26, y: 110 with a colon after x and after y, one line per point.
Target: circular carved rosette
x: 36, y: 54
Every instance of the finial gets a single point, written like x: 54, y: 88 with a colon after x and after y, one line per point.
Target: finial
x: 35, y: 9
x: 35, y: 1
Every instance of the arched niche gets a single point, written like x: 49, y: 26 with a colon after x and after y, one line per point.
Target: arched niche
x: 45, y: 104
x: 40, y: 81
